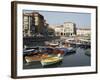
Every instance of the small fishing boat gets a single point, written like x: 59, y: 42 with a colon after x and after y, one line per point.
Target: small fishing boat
x: 51, y: 60
x: 53, y: 44
x: 32, y: 59
x: 35, y: 58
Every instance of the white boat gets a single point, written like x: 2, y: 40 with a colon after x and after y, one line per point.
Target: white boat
x: 51, y: 43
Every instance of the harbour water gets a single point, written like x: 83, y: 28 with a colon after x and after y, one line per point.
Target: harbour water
x: 79, y: 58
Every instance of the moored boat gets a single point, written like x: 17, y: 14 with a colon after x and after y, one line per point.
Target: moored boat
x: 31, y: 59
x: 51, y: 44
x: 35, y: 58
x: 51, y: 60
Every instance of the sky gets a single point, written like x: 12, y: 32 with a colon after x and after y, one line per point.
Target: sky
x: 58, y: 18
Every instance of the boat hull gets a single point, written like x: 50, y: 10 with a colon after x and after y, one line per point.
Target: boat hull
x: 44, y: 63
x: 28, y: 60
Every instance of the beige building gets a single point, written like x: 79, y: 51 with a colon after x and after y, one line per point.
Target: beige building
x: 39, y: 22
x: 59, y: 30
x: 32, y: 23
x: 27, y: 22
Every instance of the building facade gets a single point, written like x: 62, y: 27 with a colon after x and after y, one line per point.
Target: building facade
x: 67, y: 29
x: 33, y: 23
x: 83, y: 31
x: 39, y: 22
x: 28, y: 24
x: 59, y: 30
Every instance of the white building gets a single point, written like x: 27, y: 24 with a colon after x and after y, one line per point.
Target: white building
x: 83, y: 31
x: 67, y: 29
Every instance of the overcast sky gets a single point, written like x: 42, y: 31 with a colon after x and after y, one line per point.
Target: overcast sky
x: 58, y: 18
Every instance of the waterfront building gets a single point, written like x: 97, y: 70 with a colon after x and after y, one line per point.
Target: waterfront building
x: 33, y: 23
x: 28, y: 24
x: 59, y: 30
x: 67, y: 29
x: 83, y: 31
x: 56, y: 29
x: 39, y: 22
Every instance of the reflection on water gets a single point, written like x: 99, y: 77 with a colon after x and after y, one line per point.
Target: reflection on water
x: 71, y: 60
x: 53, y: 65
